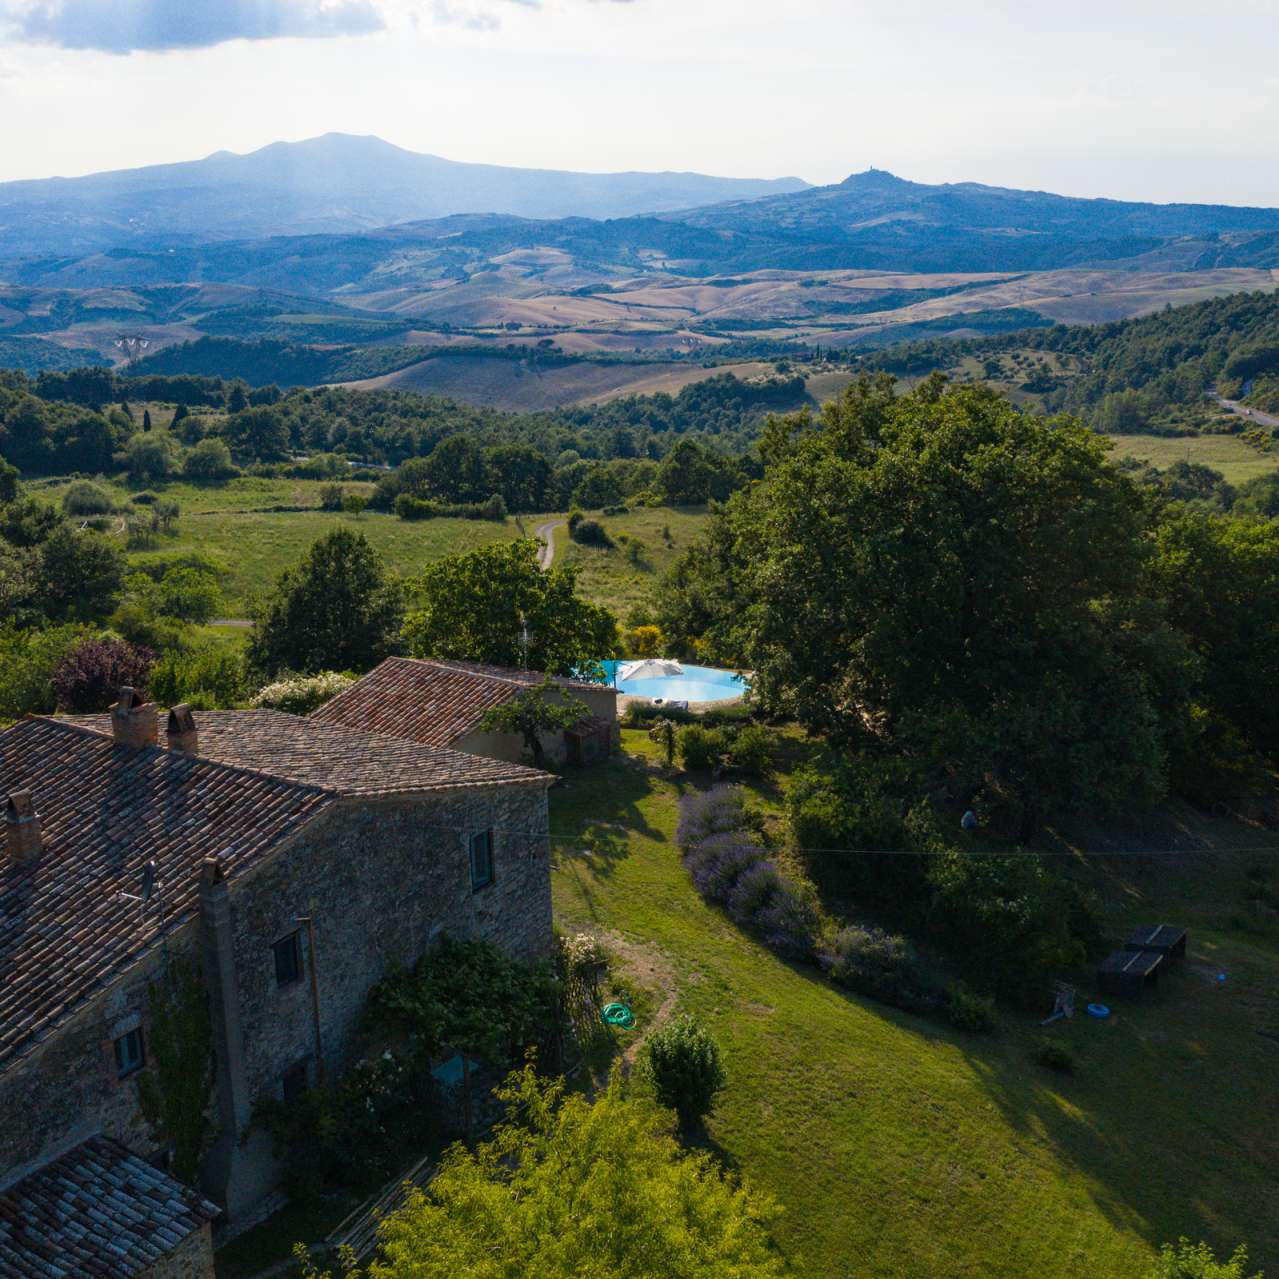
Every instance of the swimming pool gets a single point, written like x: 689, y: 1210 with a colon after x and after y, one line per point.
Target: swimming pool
x: 697, y: 684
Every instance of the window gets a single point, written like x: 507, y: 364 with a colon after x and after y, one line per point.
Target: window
x: 288, y: 959
x: 293, y: 1083
x: 481, y: 860
x: 129, y: 1054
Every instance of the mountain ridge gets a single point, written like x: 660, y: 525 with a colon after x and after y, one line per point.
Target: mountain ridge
x: 331, y: 183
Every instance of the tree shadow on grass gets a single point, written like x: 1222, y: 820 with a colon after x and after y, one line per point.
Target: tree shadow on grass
x: 595, y: 811
x: 1162, y: 1116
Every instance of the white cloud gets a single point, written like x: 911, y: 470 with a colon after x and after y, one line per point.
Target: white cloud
x: 124, y: 26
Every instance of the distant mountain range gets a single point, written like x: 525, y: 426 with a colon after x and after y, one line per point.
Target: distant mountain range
x: 171, y: 254
x: 334, y: 183
x: 885, y: 221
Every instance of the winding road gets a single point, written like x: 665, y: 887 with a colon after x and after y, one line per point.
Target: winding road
x: 547, y: 533
x: 1253, y: 415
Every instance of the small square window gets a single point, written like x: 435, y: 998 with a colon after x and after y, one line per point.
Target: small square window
x: 288, y: 959
x: 293, y: 1083
x: 130, y: 1056
x: 481, y: 860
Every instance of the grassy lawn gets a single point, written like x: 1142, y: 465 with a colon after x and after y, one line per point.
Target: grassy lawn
x: 901, y: 1148
x: 236, y: 524
x: 610, y: 577
x: 1237, y: 461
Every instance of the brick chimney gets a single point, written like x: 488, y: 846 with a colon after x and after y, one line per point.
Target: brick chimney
x: 134, y: 721
x: 22, y: 828
x: 181, y: 732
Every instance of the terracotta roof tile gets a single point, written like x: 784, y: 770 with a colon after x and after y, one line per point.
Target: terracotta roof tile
x: 432, y: 702
x: 105, y: 811
x: 98, y: 1210
x: 336, y: 757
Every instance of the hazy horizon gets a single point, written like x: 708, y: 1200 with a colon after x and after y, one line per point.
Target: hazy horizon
x: 1157, y: 102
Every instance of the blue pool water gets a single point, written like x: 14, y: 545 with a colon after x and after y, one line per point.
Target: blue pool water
x: 697, y: 684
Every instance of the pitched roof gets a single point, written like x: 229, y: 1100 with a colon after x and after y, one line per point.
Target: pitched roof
x: 336, y: 758
x: 105, y: 811
x: 429, y: 701
x: 98, y: 1211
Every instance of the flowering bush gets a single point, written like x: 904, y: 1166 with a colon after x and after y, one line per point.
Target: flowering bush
x: 881, y: 965
x: 89, y: 675
x: 728, y: 867
x: 302, y: 695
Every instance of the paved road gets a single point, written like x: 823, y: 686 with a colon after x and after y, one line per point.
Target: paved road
x: 1253, y: 415
x: 547, y: 533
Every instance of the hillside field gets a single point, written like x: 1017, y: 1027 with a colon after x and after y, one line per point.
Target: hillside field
x: 513, y: 384
x: 900, y: 1148
x: 1235, y: 459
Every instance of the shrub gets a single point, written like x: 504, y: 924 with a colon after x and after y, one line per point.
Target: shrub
x: 209, y: 460
x: 208, y: 678
x: 575, y: 517
x: 408, y: 507
x: 790, y: 923
x: 712, y: 812
x: 1055, y: 1057
x: 300, y: 696
x: 754, y: 891
x: 86, y: 498
x: 1197, y: 1261
x: 331, y: 497
x: 682, y: 1062
x: 750, y: 749
x: 145, y: 498
x: 150, y: 457
x: 644, y: 641
x: 716, y: 864
x: 968, y: 1010
x: 590, y: 533
x: 700, y: 749
x: 880, y: 965
x: 188, y: 594
x: 90, y: 675
x: 28, y: 659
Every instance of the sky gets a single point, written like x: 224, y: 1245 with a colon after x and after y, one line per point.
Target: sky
x: 1134, y: 99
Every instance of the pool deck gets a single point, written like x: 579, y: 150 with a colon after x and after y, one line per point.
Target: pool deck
x: 696, y: 708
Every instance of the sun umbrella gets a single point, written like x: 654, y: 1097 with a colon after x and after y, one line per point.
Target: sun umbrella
x: 650, y: 668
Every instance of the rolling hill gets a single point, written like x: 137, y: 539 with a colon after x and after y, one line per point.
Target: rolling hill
x: 896, y: 224
x: 332, y: 183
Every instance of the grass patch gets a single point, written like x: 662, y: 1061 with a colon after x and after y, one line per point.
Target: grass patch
x: 608, y: 576
x: 901, y: 1148
x: 1237, y: 461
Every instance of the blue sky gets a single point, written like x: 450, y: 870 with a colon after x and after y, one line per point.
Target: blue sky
x: 1131, y: 99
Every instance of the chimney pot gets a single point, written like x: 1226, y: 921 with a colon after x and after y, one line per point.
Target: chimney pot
x: 134, y: 721
x: 181, y: 731
x: 22, y: 828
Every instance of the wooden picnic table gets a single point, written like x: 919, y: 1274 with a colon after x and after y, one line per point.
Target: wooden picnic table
x: 1166, y: 939
x: 1129, y: 972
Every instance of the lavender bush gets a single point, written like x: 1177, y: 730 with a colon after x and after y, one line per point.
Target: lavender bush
x: 729, y: 868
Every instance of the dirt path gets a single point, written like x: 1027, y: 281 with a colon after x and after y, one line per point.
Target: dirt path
x: 547, y: 533
x: 240, y: 623
x: 1253, y: 415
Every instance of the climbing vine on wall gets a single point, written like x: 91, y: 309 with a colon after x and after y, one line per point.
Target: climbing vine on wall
x: 176, y: 1089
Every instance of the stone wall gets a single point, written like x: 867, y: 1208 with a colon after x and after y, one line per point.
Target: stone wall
x: 600, y: 703
x: 191, y: 1259
x: 380, y: 881
x: 67, y: 1088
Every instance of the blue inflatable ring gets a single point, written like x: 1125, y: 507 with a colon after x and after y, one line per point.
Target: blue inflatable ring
x: 1098, y: 1010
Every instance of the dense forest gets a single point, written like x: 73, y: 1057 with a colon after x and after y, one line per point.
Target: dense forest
x: 684, y: 448
x: 1149, y: 374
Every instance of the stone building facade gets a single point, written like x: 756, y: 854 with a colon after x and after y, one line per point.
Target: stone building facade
x: 292, y: 861
x: 441, y: 703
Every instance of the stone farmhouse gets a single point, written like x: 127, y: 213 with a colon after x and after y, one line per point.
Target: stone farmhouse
x: 442, y: 703
x: 292, y: 861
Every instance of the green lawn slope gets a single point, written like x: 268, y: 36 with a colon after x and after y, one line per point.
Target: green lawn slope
x: 901, y: 1149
